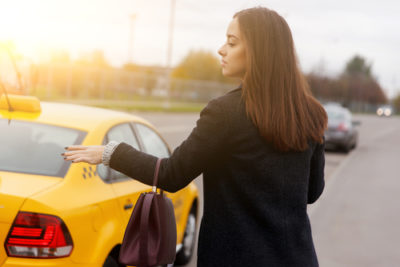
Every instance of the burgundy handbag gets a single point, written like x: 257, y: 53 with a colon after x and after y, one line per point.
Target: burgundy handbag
x: 150, y: 236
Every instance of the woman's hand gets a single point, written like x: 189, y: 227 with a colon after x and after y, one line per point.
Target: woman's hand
x: 89, y: 154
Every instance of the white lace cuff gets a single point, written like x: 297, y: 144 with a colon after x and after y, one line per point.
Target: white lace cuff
x: 108, y: 150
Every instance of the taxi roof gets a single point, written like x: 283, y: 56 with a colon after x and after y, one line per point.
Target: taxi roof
x: 73, y: 116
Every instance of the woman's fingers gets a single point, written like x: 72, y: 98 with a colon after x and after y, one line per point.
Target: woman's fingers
x: 88, y: 154
x: 76, y: 147
x: 75, y: 152
x: 74, y: 156
x: 81, y: 159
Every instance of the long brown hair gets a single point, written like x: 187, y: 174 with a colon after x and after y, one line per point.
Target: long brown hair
x: 276, y: 94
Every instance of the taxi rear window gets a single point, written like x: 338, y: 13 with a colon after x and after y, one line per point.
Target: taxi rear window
x: 35, y: 148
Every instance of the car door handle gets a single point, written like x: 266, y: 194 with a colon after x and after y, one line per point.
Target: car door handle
x: 128, y: 206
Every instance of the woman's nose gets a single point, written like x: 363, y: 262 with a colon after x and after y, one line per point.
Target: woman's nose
x: 221, y: 51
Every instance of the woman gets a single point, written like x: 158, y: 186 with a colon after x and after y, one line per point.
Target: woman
x: 260, y: 149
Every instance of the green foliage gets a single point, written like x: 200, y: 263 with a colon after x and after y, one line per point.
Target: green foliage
x: 93, y: 59
x: 396, y: 103
x: 360, y: 85
x: 60, y: 57
x: 199, y: 65
x: 140, y: 104
x: 151, y: 73
x: 358, y: 65
x: 132, y: 67
x: 355, y: 85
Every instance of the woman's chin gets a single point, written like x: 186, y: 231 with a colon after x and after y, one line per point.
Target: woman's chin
x: 226, y: 73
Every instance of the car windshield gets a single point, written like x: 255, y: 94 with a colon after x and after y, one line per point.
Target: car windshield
x: 35, y: 148
x: 335, y: 114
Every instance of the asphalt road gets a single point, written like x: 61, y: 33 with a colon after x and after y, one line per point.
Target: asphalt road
x: 356, y: 221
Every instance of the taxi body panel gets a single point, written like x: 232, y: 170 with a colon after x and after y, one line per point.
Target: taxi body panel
x: 95, y: 210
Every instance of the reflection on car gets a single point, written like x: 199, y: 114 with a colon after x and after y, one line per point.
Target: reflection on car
x: 341, y: 133
x: 54, y: 213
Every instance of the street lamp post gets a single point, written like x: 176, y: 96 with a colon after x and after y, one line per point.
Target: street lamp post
x: 170, y: 45
x: 132, y: 19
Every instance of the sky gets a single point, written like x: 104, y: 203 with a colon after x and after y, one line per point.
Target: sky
x: 326, y: 33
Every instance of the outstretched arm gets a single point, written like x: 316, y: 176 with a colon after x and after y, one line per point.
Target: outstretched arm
x: 204, y: 147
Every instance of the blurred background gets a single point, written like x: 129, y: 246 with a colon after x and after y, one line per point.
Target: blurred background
x: 161, y: 55
x: 110, y: 52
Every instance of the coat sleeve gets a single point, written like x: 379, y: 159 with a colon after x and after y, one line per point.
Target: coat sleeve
x: 316, y: 182
x: 203, y: 148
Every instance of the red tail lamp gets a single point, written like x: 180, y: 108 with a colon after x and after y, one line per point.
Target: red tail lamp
x: 343, y: 127
x: 35, y: 235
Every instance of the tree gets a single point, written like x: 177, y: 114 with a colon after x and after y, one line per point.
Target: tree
x: 60, y: 56
x: 358, y: 66
x: 88, y: 73
x: 132, y: 67
x: 326, y: 88
x: 359, y: 84
x: 356, y: 86
x: 199, y: 65
x: 396, y: 102
x: 93, y: 59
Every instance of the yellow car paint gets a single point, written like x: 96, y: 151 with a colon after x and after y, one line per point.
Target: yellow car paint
x: 93, y: 210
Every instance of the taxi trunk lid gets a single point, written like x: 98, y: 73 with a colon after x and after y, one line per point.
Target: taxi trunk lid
x: 14, y: 189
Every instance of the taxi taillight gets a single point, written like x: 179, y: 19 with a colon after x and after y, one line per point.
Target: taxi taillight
x: 35, y: 235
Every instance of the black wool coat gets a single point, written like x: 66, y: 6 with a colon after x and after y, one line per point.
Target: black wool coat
x: 255, y: 198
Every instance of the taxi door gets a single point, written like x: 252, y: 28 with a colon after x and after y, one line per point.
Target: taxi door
x: 127, y: 190
x: 155, y: 145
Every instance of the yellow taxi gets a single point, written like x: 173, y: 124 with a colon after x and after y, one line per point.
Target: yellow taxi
x: 53, y: 213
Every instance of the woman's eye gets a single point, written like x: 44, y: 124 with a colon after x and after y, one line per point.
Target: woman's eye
x: 231, y: 44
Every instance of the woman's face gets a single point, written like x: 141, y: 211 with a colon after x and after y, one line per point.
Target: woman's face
x: 233, y: 52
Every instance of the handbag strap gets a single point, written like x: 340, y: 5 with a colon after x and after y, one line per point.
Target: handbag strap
x: 144, y: 227
x: 155, y: 179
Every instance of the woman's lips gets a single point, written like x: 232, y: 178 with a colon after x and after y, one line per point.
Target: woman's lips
x: 223, y: 63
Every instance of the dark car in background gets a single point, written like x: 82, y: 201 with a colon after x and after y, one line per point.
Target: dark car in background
x: 341, y: 133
